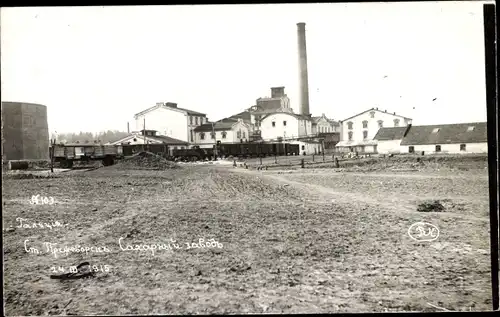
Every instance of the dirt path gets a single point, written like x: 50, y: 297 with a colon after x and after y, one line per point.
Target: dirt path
x: 396, y: 203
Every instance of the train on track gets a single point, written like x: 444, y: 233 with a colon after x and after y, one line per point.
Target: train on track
x: 66, y: 154
x: 240, y: 150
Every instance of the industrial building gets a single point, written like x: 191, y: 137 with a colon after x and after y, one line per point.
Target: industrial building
x: 25, y: 131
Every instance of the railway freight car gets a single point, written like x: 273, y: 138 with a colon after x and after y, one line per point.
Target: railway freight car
x: 257, y: 149
x: 66, y: 154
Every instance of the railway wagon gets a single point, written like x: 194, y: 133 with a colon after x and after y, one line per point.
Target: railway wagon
x: 257, y: 149
x: 66, y: 154
x: 192, y: 154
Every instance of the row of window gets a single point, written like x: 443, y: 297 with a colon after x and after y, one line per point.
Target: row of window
x: 380, y: 124
x: 201, y: 120
x: 365, y: 135
x: 463, y: 147
x: 274, y: 124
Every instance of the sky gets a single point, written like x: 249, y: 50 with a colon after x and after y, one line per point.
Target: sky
x: 95, y: 67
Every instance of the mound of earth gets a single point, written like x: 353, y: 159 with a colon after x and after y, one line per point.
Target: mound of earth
x: 431, y: 206
x: 146, y: 160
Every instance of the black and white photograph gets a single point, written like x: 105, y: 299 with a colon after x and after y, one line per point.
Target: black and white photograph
x: 247, y: 159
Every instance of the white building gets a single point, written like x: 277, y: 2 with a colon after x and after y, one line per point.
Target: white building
x: 322, y: 124
x: 285, y: 125
x: 389, y: 139
x: 170, y: 120
x: 357, y: 132
x: 225, y: 131
x: 460, y: 138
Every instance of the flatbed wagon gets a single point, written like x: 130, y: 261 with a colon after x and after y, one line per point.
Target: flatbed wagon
x: 66, y: 154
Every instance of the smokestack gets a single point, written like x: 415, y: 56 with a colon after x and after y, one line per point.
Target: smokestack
x: 303, y: 78
x: 128, y: 127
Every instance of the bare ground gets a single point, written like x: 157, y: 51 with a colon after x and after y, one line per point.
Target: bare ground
x: 300, y: 242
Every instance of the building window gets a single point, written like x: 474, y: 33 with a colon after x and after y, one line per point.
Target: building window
x: 411, y: 149
x: 274, y: 124
x: 365, y: 135
x: 202, y: 136
x: 365, y: 124
x: 196, y: 120
x: 462, y: 147
x: 303, y: 147
x: 349, y: 125
x: 380, y: 123
x: 372, y: 114
x: 396, y: 122
x: 284, y: 123
x: 438, y: 148
x: 191, y: 120
x: 212, y: 135
x: 224, y: 134
x: 238, y: 134
x: 350, y: 135
x: 191, y: 136
x: 244, y: 134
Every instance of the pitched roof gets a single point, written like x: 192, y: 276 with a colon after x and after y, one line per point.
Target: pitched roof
x: 191, y: 112
x: 158, y: 138
x: 298, y: 116
x: 218, y: 126
x: 373, y: 109
x: 447, y: 134
x: 386, y: 134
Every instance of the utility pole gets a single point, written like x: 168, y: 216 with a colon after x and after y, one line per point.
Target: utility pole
x: 323, y: 148
x: 144, y: 134
x: 215, y: 142
x: 53, y: 143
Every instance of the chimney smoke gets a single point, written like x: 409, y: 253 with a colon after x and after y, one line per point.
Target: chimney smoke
x: 303, y: 76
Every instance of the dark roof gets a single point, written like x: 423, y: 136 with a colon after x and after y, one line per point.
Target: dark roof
x: 386, y: 134
x: 373, y: 109
x: 447, y: 134
x: 159, y: 138
x: 166, y: 139
x: 218, y: 126
x: 245, y: 115
x: 166, y: 106
x: 298, y: 116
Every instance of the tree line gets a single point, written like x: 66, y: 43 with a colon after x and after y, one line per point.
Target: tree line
x: 83, y: 137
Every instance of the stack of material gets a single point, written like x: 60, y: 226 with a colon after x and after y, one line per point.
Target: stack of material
x: 146, y: 161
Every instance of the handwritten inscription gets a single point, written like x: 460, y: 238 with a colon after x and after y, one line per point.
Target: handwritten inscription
x: 422, y: 231
x: 168, y: 246
x: 26, y: 224
x: 53, y: 249
x: 41, y: 200
x: 74, y: 269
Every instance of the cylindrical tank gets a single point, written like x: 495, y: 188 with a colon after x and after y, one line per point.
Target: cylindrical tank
x: 25, y: 132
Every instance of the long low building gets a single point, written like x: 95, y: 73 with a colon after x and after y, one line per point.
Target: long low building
x: 459, y: 138
x: 447, y: 138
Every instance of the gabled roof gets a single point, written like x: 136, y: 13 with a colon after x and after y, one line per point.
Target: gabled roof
x: 298, y: 116
x: 191, y: 112
x: 387, y: 134
x: 446, y: 134
x: 223, y: 125
x: 373, y: 109
x: 157, y: 139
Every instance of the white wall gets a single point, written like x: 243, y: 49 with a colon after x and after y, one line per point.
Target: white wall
x: 192, y: 124
x: 389, y: 147
x: 307, y: 147
x: 268, y: 132
x: 449, y: 148
x: 305, y: 127
x: 231, y: 135
x: 357, y: 126
x: 168, y: 122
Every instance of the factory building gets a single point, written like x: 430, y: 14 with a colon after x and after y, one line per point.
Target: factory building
x: 170, y: 120
x: 25, y: 131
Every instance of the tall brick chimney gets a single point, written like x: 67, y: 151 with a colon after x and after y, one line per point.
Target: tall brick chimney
x: 303, y: 77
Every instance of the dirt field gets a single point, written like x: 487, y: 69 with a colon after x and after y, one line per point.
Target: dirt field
x: 296, y: 241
